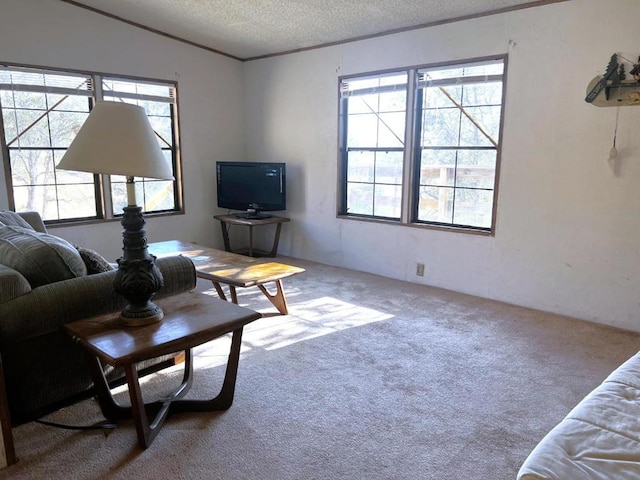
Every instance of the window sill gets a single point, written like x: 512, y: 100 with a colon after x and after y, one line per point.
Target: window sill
x: 425, y: 226
x: 93, y: 221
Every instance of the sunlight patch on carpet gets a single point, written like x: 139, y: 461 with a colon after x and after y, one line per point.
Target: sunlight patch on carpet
x: 312, y: 319
x: 307, y: 320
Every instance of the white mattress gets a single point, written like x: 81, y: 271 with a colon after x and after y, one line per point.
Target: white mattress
x: 599, y: 438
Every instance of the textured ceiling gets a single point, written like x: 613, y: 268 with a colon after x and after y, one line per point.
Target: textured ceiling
x: 252, y: 28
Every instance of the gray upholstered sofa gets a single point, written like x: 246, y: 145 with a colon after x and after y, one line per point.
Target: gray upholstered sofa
x: 43, y: 368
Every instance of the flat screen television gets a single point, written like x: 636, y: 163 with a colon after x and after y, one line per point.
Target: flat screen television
x: 253, y: 187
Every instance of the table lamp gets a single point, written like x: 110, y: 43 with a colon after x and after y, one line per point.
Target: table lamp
x: 117, y: 139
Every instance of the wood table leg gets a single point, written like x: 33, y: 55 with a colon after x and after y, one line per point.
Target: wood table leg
x: 276, y: 240
x: 160, y: 410
x: 146, y: 431
x: 224, y: 399
x: 234, y: 294
x: 225, y: 236
x: 112, y: 410
x: 219, y: 289
x: 278, y: 299
x: 146, y: 434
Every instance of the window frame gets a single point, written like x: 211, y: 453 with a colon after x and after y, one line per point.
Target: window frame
x: 343, y: 134
x: 102, y: 183
x: 413, y: 148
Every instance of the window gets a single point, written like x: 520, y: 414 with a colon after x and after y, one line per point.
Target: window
x: 375, y: 113
x: 42, y: 110
x: 434, y: 164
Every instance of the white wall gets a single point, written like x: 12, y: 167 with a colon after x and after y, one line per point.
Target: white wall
x: 568, y: 222
x: 59, y: 35
x: 568, y: 226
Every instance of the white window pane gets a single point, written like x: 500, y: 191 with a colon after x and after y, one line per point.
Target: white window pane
x: 32, y: 167
x: 158, y: 195
x: 441, y: 97
x: 389, y: 167
x: 468, y: 70
x: 476, y: 168
x: 33, y: 129
x: 119, y: 196
x: 67, y: 103
x: 38, y: 198
x: 388, y: 201
x: 473, y: 208
x: 363, y: 104
x: 162, y: 127
x: 65, y: 126
x: 439, y: 73
x: 394, y: 79
x: 151, y: 195
x: 6, y: 99
x: 10, y: 125
x: 437, y: 167
x: 493, y: 68
x: 441, y: 127
x: 482, y: 94
x: 487, y: 125
x: 360, y: 198
x: 360, y: 167
x: 30, y: 100
x: 393, y: 102
x: 76, y: 201
x: 120, y: 86
x: 160, y: 109
x: 436, y: 204
x: 363, y: 131
x: 391, y: 130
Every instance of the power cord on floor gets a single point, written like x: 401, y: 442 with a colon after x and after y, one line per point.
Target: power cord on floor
x: 106, y: 425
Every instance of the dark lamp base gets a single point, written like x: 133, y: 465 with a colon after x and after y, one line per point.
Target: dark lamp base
x: 138, y: 278
x: 138, y: 319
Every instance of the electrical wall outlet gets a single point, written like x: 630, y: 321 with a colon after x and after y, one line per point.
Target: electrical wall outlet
x: 420, y: 269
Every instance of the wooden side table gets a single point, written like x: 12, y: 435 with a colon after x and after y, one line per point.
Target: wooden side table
x: 190, y: 319
x: 227, y: 220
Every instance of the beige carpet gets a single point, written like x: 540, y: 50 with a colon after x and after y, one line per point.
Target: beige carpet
x: 367, y: 378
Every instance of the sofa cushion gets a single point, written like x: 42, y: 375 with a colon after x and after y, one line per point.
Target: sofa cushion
x: 41, y: 258
x: 7, y: 217
x: 94, y: 262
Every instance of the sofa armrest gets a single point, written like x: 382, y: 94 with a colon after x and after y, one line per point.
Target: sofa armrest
x: 12, y: 284
x: 35, y: 220
x: 45, y: 309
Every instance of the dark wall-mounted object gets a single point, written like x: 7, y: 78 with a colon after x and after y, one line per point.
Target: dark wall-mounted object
x: 613, y: 88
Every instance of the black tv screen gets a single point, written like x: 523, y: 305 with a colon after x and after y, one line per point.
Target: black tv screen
x: 251, y: 186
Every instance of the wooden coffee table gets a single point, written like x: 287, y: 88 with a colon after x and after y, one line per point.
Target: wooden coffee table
x: 190, y: 319
x: 232, y: 269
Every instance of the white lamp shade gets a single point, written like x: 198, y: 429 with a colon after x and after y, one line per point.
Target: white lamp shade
x: 117, y: 139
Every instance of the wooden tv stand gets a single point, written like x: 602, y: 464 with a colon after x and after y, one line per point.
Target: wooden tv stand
x: 227, y: 220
